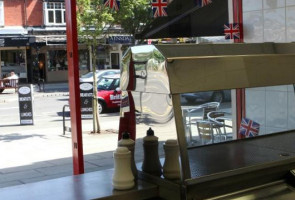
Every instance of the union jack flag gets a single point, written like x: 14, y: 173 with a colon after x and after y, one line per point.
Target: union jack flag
x: 159, y: 8
x: 249, y: 128
x: 202, y: 3
x: 232, y: 31
x: 113, y: 4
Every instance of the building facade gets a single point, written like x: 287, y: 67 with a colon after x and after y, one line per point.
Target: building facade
x: 33, y: 42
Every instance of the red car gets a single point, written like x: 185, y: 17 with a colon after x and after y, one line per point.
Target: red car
x: 108, y: 92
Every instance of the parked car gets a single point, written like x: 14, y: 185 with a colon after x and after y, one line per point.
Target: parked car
x: 88, y: 77
x: 215, y: 96
x: 108, y: 92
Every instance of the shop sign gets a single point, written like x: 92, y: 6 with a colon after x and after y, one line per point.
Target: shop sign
x: 121, y: 39
x: 16, y: 41
x: 86, y: 96
x: 25, y: 99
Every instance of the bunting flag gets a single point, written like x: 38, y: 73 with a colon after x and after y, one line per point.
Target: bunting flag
x: 249, y: 128
x: 159, y: 8
x: 202, y: 3
x: 232, y: 31
x: 113, y: 4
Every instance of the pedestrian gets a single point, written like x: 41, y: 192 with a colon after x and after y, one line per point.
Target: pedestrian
x: 12, y: 75
x: 11, y: 80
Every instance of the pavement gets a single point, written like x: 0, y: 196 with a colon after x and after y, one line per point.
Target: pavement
x: 33, y: 153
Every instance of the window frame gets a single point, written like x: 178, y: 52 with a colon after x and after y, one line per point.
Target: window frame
x: 54, y: 9
x: 1, y: 13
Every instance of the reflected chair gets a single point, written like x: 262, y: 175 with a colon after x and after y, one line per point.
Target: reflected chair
x: 205, y: 130
x: 192, y: 120
x: 218, y: 119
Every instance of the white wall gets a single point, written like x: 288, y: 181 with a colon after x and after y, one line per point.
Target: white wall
x: 270, y: 21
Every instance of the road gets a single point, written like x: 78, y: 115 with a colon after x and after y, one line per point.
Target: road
x: 47, y: 114
x: 24, y: 144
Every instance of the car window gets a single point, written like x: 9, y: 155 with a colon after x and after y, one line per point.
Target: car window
x: 116, y: 83
x: 105, y: 84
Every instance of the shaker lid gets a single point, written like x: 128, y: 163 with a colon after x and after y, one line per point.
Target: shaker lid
x: 150, y: 132
x: 171, y: 142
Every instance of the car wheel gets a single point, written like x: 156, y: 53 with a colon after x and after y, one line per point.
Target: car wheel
x: 1, y: 90
x: 101, y: 107
x: 217, y: 97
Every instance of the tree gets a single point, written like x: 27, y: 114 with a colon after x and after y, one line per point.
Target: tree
x: 134, y: 15
x: 93, y: 20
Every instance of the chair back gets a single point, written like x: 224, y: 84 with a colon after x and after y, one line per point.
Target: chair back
x: 205, y: 130
x: 206, y: 110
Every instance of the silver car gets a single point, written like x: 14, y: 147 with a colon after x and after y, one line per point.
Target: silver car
x: 88, y: 77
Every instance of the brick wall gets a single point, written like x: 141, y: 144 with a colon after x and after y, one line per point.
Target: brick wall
x: 35, y: 12
x: 14, y: 13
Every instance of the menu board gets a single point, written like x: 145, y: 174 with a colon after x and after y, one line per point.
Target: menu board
x: 86, y: 96
x: 25, y: 99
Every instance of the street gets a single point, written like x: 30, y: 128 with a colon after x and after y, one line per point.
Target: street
x: 31, y: 153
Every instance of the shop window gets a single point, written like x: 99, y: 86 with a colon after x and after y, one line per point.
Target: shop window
x: 1, y: 13
x: 13, y: 60
x: 57, y: 60
x: 54, y: 13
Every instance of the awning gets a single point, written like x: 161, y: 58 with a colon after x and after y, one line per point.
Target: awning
x: 185, y: 19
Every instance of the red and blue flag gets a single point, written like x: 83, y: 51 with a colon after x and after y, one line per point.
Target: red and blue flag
x: 249, y: 128
x: 159, y: 8
x: 202, y: 3
x: 232, y: 31
x: 112, y: 4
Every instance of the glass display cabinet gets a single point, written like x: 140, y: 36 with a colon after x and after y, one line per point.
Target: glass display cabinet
x: 188, y: 92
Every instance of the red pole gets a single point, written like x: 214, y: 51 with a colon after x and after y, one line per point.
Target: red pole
x: 240, y: 93
x: 73, y: 74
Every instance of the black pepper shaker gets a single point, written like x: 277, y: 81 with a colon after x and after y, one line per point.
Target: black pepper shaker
x: 151, y: 162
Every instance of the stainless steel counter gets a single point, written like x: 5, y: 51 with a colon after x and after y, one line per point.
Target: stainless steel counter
x: 246, y: 165
x: 94, y: 185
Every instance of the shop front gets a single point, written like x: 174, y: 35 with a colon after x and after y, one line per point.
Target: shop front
x: 51, y: 65
x: 13, y: 56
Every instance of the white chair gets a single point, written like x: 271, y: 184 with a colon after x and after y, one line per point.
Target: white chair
x: 219, y: 118
x: 190, y: 119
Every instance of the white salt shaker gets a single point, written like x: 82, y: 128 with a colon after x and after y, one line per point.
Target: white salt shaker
x: 171, y: 167
x: 123, y: 178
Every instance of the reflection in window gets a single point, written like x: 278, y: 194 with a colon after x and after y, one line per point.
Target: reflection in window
x: 267, y: 110
x: 207, y: 117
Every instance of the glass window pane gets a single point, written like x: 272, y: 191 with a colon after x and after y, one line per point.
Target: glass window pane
x: 50, y: 17
x: 57, y: 5
x: 64, y: 19
x: 207, y: 117
x: 58, y: 18
x: 50, y: 5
